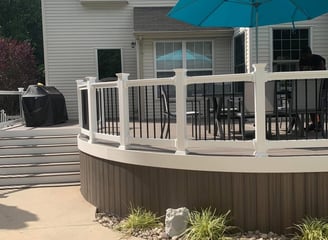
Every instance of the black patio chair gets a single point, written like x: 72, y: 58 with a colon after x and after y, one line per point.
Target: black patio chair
x: 168, y: 114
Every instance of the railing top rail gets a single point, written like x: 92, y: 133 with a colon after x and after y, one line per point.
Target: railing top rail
x: 242, y: 77
x: 296, y: 75
x: 151, y: 82
x: 112, y: 84
x: 245, y: 77
x: 2, y: 92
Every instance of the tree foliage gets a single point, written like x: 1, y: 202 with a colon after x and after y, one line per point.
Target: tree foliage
x: 17, y: 64
x: 22, y: 20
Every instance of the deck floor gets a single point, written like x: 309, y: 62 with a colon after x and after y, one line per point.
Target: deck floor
x: 61, y: 126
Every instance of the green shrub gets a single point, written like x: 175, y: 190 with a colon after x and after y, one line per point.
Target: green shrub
x: 139, y: 219
x: 311, y: 229
x: 206, y: 225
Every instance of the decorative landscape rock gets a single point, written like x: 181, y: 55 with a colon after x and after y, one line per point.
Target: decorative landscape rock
x: 176, y: 221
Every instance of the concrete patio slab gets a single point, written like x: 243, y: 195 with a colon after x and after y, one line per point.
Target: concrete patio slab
x: 49, y: 213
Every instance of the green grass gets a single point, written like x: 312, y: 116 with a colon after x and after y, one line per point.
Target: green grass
x: 206, y: 225
x: 311, y: 229
x: 139, y: 219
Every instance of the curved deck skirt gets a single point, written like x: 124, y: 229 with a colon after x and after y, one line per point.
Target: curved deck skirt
x: 265, y: 193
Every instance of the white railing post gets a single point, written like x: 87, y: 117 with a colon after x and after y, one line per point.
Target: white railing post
x: 3, y: 116
x: 260, y: 142
x: 21, y: 111
x: 92, y: 106
x: 79, y: 101
x: 123, y: 96
x: 181, y: 109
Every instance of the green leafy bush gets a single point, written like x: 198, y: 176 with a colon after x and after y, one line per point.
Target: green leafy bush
x: 206, y: 225
x: 311, y: 229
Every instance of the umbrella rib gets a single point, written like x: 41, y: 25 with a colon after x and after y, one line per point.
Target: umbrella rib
x: 211, y: 12
x: 298, y: 8
x: 256, y: 4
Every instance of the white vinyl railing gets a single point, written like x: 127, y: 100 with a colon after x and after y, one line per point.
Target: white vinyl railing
x: 7, y: 117
x: 181, y: 143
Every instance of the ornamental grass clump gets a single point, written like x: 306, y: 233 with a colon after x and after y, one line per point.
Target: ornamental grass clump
x: 206, y: 225
x: 139, y: 219
x: 311, y: 229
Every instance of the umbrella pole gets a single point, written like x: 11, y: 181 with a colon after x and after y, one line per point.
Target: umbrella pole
x: 256, y: 35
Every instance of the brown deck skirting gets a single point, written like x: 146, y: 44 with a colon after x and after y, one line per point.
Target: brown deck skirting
x: 258, y: 201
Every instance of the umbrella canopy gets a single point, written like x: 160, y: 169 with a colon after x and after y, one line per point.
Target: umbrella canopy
x: 246, y: 13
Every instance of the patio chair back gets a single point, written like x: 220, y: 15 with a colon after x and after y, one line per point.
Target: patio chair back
x: 305, y: 95
x: 165, y: 102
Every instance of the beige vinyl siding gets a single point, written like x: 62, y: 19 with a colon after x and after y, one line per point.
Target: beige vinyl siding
x: 148, y: 59
x: 320, y: 36
x: 222, y: 55
x: 74, y: 30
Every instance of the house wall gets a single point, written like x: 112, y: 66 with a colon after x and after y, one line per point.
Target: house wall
x: 72, y: 32
x: 318, y: 39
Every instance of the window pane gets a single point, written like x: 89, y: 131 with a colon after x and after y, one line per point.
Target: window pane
x: 198, y: 55
x: 109, y: 63
x: 304, y: 34
x: 295, y: 55
x: 277, y: 34
x: 277, y: 44
x: 304, y: 43
x: 168, y: 55
x: 285, y: 34
x: 287, y: 45
x: 295, y: 44
x: 295, y: 34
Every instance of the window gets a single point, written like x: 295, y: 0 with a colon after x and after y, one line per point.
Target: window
x: 239, y: 44
x: 239, y: 59
x: 195, y: 56
x: 287, y: 45
x: 109, y: 63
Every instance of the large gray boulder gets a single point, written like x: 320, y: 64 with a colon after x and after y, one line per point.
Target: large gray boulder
x: 176, y: 221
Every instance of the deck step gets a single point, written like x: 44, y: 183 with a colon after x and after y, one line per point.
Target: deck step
x: 39, y: 167
x: 39, y: 178
x: 37, y: 140
x: 38, y: 149
x: 37, y: 132
x: 40, y: 158
x: 24, y: 186
x: 36, y: 157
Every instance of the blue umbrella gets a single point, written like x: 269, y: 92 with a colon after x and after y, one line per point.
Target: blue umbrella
x: 246, y: 13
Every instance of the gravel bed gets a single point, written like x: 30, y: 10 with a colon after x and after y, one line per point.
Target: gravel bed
x: 158, y: 233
